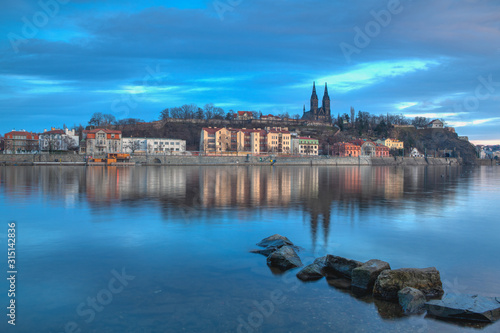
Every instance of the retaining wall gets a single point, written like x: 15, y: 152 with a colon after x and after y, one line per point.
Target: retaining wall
x: 8, y: 159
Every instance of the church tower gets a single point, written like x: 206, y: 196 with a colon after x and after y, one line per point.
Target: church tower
x: 314, y: 101
x: 326, y: 103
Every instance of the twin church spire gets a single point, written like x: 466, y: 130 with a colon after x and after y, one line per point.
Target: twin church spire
x: 317, y: 113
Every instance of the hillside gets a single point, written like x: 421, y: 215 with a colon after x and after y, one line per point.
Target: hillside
x: 433, y: 141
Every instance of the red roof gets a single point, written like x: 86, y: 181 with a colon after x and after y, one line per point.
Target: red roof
x: 105, y: 130
x: 54, y: 132
x: 241, y: 113
x: 29, y: 135
x: 306, y: 138
x: 211, y: 130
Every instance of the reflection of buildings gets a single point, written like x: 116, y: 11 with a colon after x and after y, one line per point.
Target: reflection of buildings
x: 326, y: 194
x: 105, y: 185
x: 244, y: 187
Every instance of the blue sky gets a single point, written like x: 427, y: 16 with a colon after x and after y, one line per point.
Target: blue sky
x: 63, y: 60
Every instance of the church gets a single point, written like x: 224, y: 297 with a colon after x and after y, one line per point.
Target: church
x: 323, y: 113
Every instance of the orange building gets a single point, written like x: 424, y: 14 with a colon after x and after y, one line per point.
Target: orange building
x: 346, y: 149
x: 360, y: 147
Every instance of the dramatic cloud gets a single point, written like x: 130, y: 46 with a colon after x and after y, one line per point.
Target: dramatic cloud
x: 63, y: 60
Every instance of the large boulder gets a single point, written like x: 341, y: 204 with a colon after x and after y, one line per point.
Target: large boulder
x: 411, y: 300
x: 339, y: 266
x: 276, y: 245
x: 465, y: 307
x: 284, y: 258
x: 389, y: 282
x: 364, y: 277
x: 311, y: 272
x: 274, y: 240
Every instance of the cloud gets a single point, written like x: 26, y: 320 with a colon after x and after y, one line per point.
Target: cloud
x: 261, y: 55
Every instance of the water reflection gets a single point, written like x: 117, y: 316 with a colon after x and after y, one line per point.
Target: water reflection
x: 194, y: 190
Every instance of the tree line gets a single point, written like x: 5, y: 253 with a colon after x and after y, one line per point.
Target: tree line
x: 380, y: 124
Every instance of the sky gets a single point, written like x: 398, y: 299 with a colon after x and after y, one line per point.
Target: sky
x: 63, y: 60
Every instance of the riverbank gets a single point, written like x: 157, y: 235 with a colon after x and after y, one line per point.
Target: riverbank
x: 75, y: 159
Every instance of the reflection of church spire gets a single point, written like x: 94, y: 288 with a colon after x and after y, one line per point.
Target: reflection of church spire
x: 314, y: 229
x: 326, y: 226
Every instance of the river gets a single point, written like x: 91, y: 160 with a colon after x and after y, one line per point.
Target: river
x: 166, y: 249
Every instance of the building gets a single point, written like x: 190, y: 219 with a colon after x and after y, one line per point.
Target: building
x: 391, y: 143
x: 255, y: 141
x: 270, y: 117
x: 346, y: 149
x: 305, y: 146
x: 58, y: 140
x: 22, y: 141
x: 322, y: 113
x: 101, y: 141
x: 436, y: 124
x: 153, y: 146
x: 243, y: 115
x: 415, y: 153
x: 372, y: 149
x: 279, y: 140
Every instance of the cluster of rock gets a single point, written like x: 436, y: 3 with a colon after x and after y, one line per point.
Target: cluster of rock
x: 411, y: 287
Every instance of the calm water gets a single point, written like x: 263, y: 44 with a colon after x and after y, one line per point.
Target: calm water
x: 182, y: 236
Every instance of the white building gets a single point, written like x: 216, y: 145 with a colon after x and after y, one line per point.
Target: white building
x: 58, y: 140
x: 415, y: 153
x: 153, y: 146
x: 436, y: 124
x: 102, y: 141
x: 305, y: 146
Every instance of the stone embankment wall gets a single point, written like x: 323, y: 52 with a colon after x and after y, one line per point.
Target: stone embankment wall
x: 31, y: 158
x: 319, y: 160
x: 226, y: 160
x: 487, y: 162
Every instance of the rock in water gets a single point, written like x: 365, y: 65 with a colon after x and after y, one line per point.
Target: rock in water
x: 272, y: 241
x: 465, y: 307
x: 364, y: 277
x: 311, y: 272
x: 284, y: 258
x: 276, y: 244
x: 339, y: 266
x: 427, y: 280
x: 340, y: 283
x: 411, y: 300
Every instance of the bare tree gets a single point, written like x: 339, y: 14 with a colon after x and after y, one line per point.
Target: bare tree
x: 209, y: 111
x: 218, y: 113
x: 176, y: 113
x: 132, y: 145
x: 68, y: 143
x: 420, y: 121
x: 165, y: 114
x: 99, y: 119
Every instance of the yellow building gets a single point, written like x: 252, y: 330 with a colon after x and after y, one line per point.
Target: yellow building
x: 255, y: 141
x: 394, y: 144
